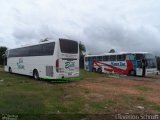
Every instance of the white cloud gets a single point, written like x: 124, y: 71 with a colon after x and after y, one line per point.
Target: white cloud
x: 101, y: 24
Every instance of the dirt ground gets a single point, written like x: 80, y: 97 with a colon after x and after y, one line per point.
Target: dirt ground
x: 125, y: 85
x: 94, y: 93
x: 135, y: 90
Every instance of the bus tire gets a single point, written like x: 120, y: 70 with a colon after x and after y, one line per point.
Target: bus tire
x: 132, y: 73
x: 10, y: 70
x: 35, y: 74
x: 99, y: 70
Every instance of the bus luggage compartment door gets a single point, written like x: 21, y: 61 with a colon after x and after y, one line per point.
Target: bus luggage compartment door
x: 69, y: 66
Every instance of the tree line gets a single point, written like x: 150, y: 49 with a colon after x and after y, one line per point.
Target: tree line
x: 2, y: 51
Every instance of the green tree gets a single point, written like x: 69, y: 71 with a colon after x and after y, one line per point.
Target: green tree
x: 112, y: 51
x: 2, y: 51
x: 82, y: 50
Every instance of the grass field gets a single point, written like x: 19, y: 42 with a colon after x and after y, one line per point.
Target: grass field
x: 94, y: 94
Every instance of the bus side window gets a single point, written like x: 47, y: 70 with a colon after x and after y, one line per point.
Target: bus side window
x: 112, y: 57
x: 94, y: 58
x: 105, y: 58
x: 99, y: 58
x: 127, y: 57
x: 121, y: 57
x: 89, y: 58
x: 48, y: 48
x: 130, y: 57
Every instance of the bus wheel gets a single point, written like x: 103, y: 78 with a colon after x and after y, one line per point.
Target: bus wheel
x: 10, y: 70
x: 99, y: 70
x: 132, y: 73
x: 35, y: 75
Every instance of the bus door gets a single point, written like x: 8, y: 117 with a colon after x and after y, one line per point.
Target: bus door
x: 139, y: 68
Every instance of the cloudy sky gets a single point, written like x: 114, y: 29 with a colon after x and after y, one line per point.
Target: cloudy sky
x: 125, y: 25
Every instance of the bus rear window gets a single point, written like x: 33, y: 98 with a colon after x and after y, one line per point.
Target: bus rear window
x: 68, y: 46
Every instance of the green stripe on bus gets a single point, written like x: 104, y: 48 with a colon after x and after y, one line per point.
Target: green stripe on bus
x: 62, y: 79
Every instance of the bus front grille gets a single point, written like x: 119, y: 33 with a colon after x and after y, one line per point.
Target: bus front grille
x: 49, y: 71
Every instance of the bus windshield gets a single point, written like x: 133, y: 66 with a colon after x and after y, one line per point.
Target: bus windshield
x: 150, y: 61
x: 149, y: 56
x: 68, y: 46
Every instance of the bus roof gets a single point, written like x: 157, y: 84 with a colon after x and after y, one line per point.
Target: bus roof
x: 117, y: 53
x: 49, y: 41
x: 28, y: 45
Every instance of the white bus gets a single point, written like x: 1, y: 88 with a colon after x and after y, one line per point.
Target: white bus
x: 53, y: 59
x: 134, y: 63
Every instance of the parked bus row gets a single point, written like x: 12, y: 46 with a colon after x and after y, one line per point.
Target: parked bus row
x: 57, y: 59
x: 135, y: 63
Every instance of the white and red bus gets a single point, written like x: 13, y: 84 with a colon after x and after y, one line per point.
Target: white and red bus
x: 53, y: 59
x: 135, y: 63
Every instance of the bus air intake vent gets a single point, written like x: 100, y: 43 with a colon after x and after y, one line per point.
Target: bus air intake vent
x: 49, y: 71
